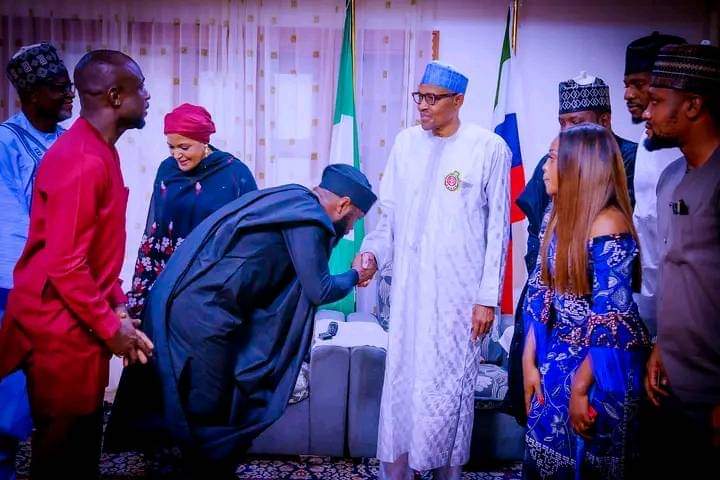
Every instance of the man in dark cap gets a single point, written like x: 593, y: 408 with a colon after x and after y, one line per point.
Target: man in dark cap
x: 232, y: 314
x: 584, y: 98
x: 649, y: 165
x: 683, y: 376
x: 46, y: 94
x: 65, y: 314
x: 639, y: 59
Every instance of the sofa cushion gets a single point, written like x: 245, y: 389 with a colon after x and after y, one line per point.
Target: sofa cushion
x: 361, y: 317
x: 491, y: 385
x: 353, y: 334
x: 302, y: 385
x: 490, y: 351
x: 332, y: 315
x: 384, y: 287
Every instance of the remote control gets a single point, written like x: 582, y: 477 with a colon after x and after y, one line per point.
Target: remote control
x: 330, y: 333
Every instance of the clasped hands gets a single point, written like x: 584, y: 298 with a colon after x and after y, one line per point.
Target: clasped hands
x: 130, y: 343
x: 365, y: 264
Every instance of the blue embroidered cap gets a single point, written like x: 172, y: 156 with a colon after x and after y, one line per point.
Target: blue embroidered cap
x: 445, y: 76
x: 347, y: 181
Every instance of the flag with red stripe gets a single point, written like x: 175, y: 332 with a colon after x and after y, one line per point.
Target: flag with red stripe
x: 507, y: 99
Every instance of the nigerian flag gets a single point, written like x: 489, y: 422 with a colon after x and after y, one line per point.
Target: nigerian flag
x: 508, y: 99
x: 344, y: 149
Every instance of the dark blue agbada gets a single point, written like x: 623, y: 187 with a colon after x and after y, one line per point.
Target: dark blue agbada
x: 231, y: 320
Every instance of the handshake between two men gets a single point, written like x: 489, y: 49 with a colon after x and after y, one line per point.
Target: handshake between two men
x: 366, y: 266
x: 132, y: 345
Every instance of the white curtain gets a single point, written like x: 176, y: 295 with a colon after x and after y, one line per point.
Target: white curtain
x: 266, y: 70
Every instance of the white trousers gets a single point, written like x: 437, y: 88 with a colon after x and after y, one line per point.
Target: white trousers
x: 400, y: 470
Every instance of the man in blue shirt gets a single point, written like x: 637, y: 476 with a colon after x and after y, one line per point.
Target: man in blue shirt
x: 46, y: 95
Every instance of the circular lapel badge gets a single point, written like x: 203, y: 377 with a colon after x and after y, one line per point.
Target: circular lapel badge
x: 452, y: 181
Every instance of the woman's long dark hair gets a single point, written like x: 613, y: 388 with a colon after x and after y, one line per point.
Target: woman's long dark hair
x: 591, y: 178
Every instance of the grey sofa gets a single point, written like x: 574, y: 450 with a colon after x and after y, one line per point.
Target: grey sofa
x: 367, y: 370
x: 496, y: 435
x: 340, y: 416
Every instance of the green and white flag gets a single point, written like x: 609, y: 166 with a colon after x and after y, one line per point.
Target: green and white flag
x: 344, y: 148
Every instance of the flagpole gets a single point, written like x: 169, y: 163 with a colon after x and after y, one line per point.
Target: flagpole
x: 352, y: 44
x: 513, y: 36
x: 351, y: 10
x: 505, y: 120
x: 344, y: 148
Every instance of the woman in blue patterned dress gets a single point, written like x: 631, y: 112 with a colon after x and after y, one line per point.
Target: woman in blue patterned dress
x: 586, y: 346
x: 192, y: 183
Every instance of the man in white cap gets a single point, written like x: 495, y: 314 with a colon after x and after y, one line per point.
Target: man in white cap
x: 444, y: 224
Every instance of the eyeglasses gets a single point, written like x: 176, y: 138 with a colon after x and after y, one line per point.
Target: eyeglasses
x: 430, y: 98
x: 63, y: 88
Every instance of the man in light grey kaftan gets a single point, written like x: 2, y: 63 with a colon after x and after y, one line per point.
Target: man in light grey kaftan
x: 444, y: 225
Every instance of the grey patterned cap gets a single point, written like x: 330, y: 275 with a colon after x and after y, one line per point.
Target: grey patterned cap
x: 693, y: 68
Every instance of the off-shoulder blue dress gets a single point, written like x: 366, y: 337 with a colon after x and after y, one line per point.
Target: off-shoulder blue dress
x: 606, y: 326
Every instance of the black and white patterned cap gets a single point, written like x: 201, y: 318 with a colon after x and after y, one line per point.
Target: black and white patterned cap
x: 33, y: 65
x: 584, y: 93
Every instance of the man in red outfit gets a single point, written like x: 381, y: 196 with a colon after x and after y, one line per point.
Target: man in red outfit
x: 66, y: 315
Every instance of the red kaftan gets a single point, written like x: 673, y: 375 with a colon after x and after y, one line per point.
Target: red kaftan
x: 66, y: 284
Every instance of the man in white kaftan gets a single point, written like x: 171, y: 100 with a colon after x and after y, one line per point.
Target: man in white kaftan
x: 649, y: 164
x: 648, y: 167
x: 444, y: 225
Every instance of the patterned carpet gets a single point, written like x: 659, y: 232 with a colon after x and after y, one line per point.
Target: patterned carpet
x: 131, y: 466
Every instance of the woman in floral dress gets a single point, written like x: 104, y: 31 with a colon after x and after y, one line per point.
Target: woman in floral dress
x: 586, y: 346
x: 193, y: 182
